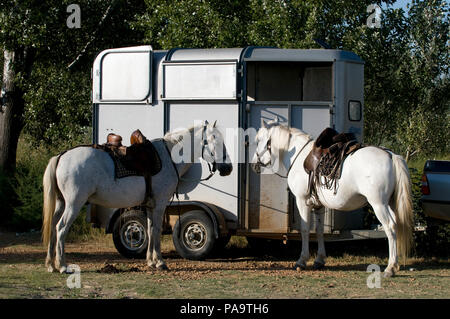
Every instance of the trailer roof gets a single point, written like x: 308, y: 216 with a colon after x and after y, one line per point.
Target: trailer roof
x: 203, y: 54
x: 262, y: 54
x: 306, y: 55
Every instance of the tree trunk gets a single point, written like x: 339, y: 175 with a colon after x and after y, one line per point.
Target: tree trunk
x: 12, y: 106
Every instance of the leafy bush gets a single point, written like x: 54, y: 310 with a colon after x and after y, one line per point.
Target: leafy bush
x: 27, y: 185
x: 21, y: 193
x: 7, y: 197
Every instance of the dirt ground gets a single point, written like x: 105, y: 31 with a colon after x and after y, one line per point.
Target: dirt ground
x: 236, y: 272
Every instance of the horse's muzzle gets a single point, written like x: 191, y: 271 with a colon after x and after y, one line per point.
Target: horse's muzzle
x: 224, y: 169
x: 256, y: 167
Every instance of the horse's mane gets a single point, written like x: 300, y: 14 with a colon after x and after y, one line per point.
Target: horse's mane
x: 280, y: 136
x: 177, y: 136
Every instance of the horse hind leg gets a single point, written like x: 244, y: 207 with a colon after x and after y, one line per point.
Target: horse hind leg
x: 49, y: 260
x: 71, y: 211
x: 386, y: 216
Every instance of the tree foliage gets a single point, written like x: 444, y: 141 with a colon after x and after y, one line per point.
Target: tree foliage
x: 57, y: 98
x: 406, y: 59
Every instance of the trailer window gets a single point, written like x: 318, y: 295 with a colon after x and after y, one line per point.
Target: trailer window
x: 289, y: 81
x: 125, y: 76
x: 354, y: 111
x: 200, y: 80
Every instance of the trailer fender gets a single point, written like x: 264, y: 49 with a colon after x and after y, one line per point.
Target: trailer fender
x: 220, y: 227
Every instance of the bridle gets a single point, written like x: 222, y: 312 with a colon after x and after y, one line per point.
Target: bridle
x: 212, y: 167
x: 268, y: 148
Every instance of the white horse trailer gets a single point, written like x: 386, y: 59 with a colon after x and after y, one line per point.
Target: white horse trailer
x: 159, y: 91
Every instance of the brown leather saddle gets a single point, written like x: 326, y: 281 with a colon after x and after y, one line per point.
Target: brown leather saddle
x: 324, y: 162
x: 140, y: 157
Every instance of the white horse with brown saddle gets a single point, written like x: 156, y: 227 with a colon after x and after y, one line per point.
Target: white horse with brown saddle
x: 369, y: 175
x: 85, y: 174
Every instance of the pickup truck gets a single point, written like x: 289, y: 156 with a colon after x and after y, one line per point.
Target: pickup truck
x: 435, y: 189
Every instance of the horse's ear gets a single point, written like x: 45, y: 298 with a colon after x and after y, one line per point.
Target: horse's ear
x: 263, y: 123
x: 206, y: 122
x: 215, y: 122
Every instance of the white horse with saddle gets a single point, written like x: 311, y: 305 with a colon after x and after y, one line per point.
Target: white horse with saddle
x: 85, y: 174
x: 369, y: 175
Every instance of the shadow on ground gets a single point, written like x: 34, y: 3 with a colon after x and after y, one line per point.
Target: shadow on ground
x: 262, y: 255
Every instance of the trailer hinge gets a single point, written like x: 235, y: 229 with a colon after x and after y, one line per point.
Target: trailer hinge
x: 241, y: 71
x: 331, y: 109
x: 332, y: 116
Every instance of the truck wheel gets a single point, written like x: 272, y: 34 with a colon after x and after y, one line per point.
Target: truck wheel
x: 130, y: 234
x: 194, y: 237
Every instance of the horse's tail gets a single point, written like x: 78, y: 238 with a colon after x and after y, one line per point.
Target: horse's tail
x: 403, y: 206
x: 50, y: 194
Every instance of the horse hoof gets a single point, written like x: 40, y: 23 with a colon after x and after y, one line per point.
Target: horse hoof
x: 299, y: 267
x: 63, y: 270
x: 318, y: 266
x: 51, y: 269
x: 388, y: 274
x: 162, y: 267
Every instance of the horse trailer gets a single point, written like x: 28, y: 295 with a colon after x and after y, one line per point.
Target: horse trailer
x: 160, y: 91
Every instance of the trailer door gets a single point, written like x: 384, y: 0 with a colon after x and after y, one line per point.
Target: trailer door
x: 122, y: 94
x: 300, y: 95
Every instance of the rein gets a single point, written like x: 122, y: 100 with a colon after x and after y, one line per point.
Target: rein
x: 212, y: 169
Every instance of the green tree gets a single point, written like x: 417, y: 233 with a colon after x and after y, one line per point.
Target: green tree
x: 407, y: 79
x: 194, y: 23
x: 425, y: 127
x: 46, y: 65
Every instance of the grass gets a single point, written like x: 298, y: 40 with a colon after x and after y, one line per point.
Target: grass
x: 235, y: 273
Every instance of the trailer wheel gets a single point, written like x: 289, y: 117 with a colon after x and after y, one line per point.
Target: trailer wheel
x: 193, y: 237
x: 130, y: 234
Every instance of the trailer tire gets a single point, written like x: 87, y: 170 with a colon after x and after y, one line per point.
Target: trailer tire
x: 194, y: 237
x: 130, y: 234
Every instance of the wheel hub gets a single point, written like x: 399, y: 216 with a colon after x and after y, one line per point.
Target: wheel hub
x: 133, y: 235
x: 195, y: 236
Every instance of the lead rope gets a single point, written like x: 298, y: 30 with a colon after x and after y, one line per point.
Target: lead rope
x: 176, y: 189
x: 211, y: 173
x: 296, y: 156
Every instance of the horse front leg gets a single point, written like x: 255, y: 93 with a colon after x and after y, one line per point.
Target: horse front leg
x: 319, y: 262
x: 157, y: 259
x: 305, y: 213
x: 150, y: 245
